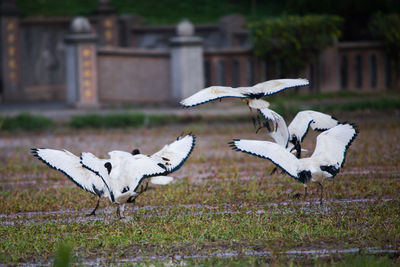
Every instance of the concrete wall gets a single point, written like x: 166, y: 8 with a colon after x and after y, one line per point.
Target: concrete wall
x: 144, y: 74
x: 43, y: 59
x: 227, y: 33
x: 132, y: 75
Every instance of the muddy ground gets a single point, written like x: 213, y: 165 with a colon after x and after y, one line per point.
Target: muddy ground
x: 223, y: 204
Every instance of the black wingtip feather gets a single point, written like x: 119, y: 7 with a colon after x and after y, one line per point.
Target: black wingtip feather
x: 187, y: 156
x: 260, y: 156
x: 55, y: 168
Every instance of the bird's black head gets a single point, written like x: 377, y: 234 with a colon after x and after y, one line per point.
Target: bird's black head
x: 304, y: 176
x: 297, y: 145
x: 135, y: 151
x: 108, y: 167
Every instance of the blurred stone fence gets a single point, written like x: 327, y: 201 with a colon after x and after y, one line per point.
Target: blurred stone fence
x: 109, y: 58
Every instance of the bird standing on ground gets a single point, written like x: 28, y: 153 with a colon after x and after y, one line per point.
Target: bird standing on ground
x: 251, y: 95
x: 97, y: 178
x: 326, y: 161
x: 69, y: 164
x: 123, y: 172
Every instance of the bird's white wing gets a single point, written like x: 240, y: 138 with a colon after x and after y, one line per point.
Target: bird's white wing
x: 300, y: 125
x: 161, y: 180
x: 134, y: 170
x: 211, y: 93
x: 318, y: 121
x: 69, y: 164
x: 332, y: 145
x: 321, y: 121
x: 175, y: 154
x: 271, y: 151
x: 98, y: 167
x: 280, y: 133
x: 272, y: 87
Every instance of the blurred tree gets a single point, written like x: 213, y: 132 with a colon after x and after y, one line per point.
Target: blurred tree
x: 293, y: 41
x: 387, y: 28
x: 56, y: 8
x: 356, y: 13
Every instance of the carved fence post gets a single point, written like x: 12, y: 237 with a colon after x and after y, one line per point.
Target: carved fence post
x: 187, y: 72
x: 9, y: 51
x: 81, y: 61
x: 108, y: 31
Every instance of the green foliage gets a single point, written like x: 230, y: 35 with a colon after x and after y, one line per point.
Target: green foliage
x: 294, y: 41
x: 63, y: 256
x: 25, y: 121
x: 356, y: 13
x: 380, y: 103
x: 154, y: 11
x: 120, y: 120
x: 387, y: 27
x: 364, y: 260
x: 56, y: 8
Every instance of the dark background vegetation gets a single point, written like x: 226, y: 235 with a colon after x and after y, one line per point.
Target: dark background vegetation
x: 356, y: 13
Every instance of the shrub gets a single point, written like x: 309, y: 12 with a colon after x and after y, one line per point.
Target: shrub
x: 380, y: 103
x: 294, y: 41
x: 25, y: 121
x: 121, y: 120
x: 387, y: 28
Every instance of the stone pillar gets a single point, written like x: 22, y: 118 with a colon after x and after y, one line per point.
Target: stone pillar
x: 107, y: 28
x: 187, y: 71
x: 9, y: 51
x: 126, y: 22
x: 81, y: 65
x: 232, y: 26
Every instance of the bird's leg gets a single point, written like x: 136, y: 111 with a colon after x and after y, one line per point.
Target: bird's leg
x: 264, y: 124
x: 298, y: 195
x: 93, y: 213
x: 252, y: 117
x: 305, y: 190
x: 322, y: 192
x: 120, y: 211
x: 259, y: 120
x: 147, y: 185
x: 273, y: 171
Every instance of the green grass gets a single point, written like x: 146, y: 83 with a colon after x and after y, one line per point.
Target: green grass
x: 364, y: 260
x: 245, y: 228
x: 380, y: 103
x: 120, y: 120
x: 222, y: 201
x: 290, y: 104
x: 25, y: 121
x: 287, y: 105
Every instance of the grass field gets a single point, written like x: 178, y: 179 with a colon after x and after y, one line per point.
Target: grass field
x: 223, y: 208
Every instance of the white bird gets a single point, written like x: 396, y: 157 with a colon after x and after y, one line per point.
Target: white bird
x: 123, y: 172
x: 252, y: 95
x: 292, y: 136
x: 326, y: 161
x: 70, y: 165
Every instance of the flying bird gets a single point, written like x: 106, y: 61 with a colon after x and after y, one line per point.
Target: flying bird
x: 123, y: 172
x: 325, y: 162
x: 292, y: 136
x: 251, y: 95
